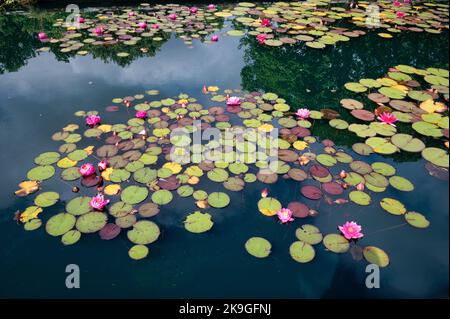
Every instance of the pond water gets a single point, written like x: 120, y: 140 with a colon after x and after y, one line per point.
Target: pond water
x: 41, y: 91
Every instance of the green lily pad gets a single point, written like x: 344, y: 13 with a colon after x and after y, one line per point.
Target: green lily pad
x: 258, y: 247
x: 401, y: 183
x: 138, y: 252
x: 91, y: 222
x: 46, y: 199
x: 71, y: 237
x: 134, y: 194
x: 427, y: 129
x: 269, y: 206
x: 198, y: 222
x: 200, y: 195
x: 41, y: 173
x: 416, y: 220
x: 218, y: 200
x: 144, y: 232
x: 407, y: 143
x: 33, y: 224
x: 336, y: 243
x: 79, y: 205
x: 218, y: 175
x: 355, y: 87
x: 302, y: 252
x: 60, y: 224
x: 77, y: 155
x: 383, y: 168
x: 326, y: 160
x: 437, y: 156
x: 393, y: 206
x: 70, y: 174
x: 309, y: 234
x: 360, y: 198
x: 162, y: 197
x: 47, y: 158
x: 381, y: 145
x: 375, y: 255
x: 185, y: 191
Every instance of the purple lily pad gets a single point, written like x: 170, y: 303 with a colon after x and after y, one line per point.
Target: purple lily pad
x: 109, y: 231
x: 311, y: 192
x: 333, y: 188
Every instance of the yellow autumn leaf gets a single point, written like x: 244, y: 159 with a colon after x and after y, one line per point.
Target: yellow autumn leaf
x: 112, y: 189
x: 66, y: 163
x: 385, y: 35
x: 193, y: 180
x: 89, y: 149
x: 300, y: 145
x: 30, y: 213
x: 27, y: 187
x: 174, y: 167
x: 105, y: 128
x: 202, y: 203
x: 106, y: 173
x: 183, y: 101
x: 401, y: 88
x: 430, y: 106
x: 165, y: 110
x: 265, y: 128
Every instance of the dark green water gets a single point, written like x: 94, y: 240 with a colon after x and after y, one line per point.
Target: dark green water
x: 40, y: 92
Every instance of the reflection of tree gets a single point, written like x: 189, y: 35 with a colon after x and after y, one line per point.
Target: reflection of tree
x: 311, y: 78
x: 19, y: 40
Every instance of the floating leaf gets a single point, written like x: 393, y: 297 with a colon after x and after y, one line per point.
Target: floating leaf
x: 360, y: 198
x: 198, y: 222
x: 302, y: 252
x: 161, y: 197
x: 416, y: 220
x: 144, y: 232
x: 46, y: 199
x: 393, y: 206
x: 436, y: 156
x: 91, y: 222
x: 375, y: 255
x: 138, y: 252
x: 268, y: 206
x: 134, y: 194
x: 218, y: 200
x: 71, y: 237
x: 258, y: 247
x: 41, y: 173
x: 336, y: 243
x: 309, y: 234
x: 401, y: 183
x: 60, y: 224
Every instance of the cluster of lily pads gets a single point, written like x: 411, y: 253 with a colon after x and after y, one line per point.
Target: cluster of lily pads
x: 133, y: 26
x: 415, y: 100
x: 136, y: 175
x: 321, y: 23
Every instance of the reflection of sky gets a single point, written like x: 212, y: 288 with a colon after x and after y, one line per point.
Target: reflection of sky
x: 41, y: 98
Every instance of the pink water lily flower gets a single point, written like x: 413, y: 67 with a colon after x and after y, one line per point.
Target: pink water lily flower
x: 155, y: 26
x: 387, y: 118
x: 87, y: 169
x: 211, y: 6
x: 142, y: 24
x: 265, y: 22
x: 397, y: 3
x: 214, y: 38
x: 131, y: 14
x: 42, y: 36
x: 261, y: 38
x: 400, y: 14
x: 351, y: 230
x: 285, y: 215
x: 80, y: 19
x: 172, y: 16
x: 99, y: 202
x: 303, y: 114
x: 193, y: 10
x: 360, y: 187
x: 406, y: 1
x: 92, y: 120
x: 141, y: 114
x: 102, y: 165
x: 233, y: 101
x: 98, y: 31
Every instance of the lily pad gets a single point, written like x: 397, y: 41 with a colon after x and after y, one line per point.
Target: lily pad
x: 375, y: 255
x: 416, y: 220
x: 336, y: 243
x: 71, y: 237
x: 41, y: 173
x: 144, y: 232
x: 162, y: 197
x: 46, y: 199
x: 79, y: 205
x: 60, y: 224
x: 218, y: 200
x: 134, y: 194
x: 393, y: 206
x: 401, y: 183
x: 309, y: 234
x: 258, y: 247
x: 91, y: 222
x: 198, y: 222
